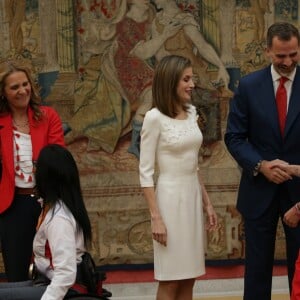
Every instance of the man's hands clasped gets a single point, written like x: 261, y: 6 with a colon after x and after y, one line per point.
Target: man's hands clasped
x: 279, y: 171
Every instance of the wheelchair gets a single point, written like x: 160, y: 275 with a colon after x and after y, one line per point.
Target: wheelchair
x: 88, y: 284
x: 105, y: 295
x: 89, y: 281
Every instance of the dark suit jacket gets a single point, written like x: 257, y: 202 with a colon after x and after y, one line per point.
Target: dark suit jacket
x: 253, y: 134
x: 47, y: 131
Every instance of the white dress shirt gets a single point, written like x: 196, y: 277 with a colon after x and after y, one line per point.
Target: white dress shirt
x: 288, y: 84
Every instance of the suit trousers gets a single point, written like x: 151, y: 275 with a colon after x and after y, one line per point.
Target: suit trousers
x: 17, y: 230
x: 260, y: 237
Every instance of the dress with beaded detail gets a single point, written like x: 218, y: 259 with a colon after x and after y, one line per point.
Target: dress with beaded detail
x: 173, y: 146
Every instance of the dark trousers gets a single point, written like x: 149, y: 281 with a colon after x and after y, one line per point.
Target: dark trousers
x: 260, y: 236
x: 27, y: 290
x: 24, y: 290
x: 17, y: 230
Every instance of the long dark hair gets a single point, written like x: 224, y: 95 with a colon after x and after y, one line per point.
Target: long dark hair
x: 57, y: 178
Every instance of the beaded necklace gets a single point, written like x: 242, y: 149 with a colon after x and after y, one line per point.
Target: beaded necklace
x: 21, y: 125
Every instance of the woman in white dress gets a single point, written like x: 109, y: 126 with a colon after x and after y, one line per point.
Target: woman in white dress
x: 171, y: 137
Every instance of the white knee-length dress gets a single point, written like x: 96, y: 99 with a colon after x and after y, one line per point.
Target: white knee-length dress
x: 173, y: 145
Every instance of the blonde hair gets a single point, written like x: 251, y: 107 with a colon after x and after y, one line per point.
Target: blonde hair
x: 6, y: 69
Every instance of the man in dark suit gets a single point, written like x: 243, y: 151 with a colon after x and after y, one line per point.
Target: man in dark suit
x: 261, y: 136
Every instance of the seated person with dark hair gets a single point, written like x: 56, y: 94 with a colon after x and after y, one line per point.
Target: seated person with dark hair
x: 63, y: 231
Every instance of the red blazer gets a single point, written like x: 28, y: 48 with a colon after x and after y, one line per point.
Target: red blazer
x: 296, y: 281
x: 47, y: 131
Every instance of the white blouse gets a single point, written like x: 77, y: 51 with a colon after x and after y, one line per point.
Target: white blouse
x: 24, y: 168
x: 66, y: 245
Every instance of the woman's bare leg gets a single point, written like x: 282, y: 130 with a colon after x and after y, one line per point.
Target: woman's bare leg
x: 167, y: 290
x: 185, y: 289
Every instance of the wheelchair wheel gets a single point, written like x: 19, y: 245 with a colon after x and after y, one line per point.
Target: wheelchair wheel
x: 105, y: 296
x: 87, y: 297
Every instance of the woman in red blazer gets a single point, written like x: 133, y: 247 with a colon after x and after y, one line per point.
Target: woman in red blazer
x: 292, y: 218
x: 25, y: 128
x: 296, y: 282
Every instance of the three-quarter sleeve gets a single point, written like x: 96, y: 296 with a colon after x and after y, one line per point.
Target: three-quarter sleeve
x: 149, y: 141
